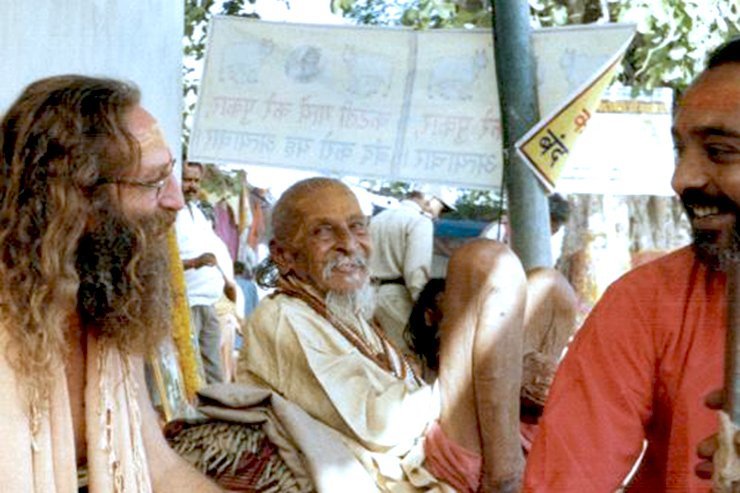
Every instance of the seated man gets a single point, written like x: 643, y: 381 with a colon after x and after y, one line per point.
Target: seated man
x: 88, y: 195
x: 312, y: 342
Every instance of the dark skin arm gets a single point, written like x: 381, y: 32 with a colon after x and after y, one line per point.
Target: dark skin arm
x: 230, y: 290
x: 207, y: 259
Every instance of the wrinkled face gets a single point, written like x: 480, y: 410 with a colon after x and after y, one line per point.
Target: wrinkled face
x: 191, y: 176
x: 152, y: 187
x: 332, y: 244
x: 707, y: 176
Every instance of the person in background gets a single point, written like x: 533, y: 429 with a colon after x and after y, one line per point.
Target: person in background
x: 401, y: 261
x: 549, y: 323
x: 245, y: 280
x: 208, y: 272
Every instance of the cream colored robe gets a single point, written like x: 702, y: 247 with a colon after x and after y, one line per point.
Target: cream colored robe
x: 291, y: 349
x: 45, y: 462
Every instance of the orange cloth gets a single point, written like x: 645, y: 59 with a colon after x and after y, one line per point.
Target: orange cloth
x: 450, y: 462
x: 528, y: 433
x: 649, y: 353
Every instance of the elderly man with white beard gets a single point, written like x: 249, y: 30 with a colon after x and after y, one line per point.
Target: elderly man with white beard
x: 313, y: 342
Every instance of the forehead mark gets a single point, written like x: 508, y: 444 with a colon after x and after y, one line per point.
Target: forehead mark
x: 151, y: 138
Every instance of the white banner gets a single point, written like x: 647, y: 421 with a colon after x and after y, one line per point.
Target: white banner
x: 373, y: 102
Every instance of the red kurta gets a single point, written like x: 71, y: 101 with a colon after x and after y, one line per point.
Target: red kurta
x: 640, y: 368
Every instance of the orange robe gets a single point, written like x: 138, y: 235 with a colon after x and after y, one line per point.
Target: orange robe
x: 640, y: 368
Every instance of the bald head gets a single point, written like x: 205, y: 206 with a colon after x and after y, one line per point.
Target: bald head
x: 289, y: 211
x: 320, y: 236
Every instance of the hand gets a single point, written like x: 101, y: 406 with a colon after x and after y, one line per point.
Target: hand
x: 207, y: 259
x: 721, y: 464
x: 707, y: 447
x: 230, y: 290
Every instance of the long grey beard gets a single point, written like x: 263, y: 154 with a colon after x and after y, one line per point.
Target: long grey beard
x: 352, y: 307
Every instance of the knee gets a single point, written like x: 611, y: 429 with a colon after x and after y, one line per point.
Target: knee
x: 480, y: 253
x: 549, y: 284
x: 484, y: 262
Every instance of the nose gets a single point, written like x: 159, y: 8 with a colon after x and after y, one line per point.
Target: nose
x: 346, y: 241
x: 691, y: 172
x: 171, y: 197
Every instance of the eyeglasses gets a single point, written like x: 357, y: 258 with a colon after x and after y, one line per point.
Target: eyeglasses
x: 157, y: 185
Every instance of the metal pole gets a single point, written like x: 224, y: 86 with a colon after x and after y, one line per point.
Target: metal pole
x: 517, y: 87
x: 732, y: 347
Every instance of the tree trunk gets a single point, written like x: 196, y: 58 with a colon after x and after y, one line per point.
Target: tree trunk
x: 607, y: 235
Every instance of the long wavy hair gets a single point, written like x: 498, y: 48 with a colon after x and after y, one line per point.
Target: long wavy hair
x: 59, y: 137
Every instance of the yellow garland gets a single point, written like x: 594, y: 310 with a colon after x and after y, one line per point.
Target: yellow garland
x: 181, y: 321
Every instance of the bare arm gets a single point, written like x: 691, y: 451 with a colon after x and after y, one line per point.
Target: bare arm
x: 168, y: 470
x: 207, y: 259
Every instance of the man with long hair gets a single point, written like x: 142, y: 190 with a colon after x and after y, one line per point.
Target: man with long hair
x: 315, y: 343
x: 86, y: 198
x: 653, y: 347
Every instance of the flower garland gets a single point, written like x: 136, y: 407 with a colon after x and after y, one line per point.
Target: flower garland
x: 181, y: 321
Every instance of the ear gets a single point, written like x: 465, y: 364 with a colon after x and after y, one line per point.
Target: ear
x: 283, y: 258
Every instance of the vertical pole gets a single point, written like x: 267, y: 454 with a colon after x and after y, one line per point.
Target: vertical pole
x: 517, y: 87
x: 732, y: 346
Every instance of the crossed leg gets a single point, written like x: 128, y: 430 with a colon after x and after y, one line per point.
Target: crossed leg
x: 481, y: 358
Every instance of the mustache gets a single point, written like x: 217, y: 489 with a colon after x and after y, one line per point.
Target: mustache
x: 341, y: 261
x: 692, y: 197
x: 155, y: 225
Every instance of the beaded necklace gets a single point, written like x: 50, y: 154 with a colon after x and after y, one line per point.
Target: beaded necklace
x: 388, y: 359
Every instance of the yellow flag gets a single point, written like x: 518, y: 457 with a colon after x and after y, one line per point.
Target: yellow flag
x: 546, y: 147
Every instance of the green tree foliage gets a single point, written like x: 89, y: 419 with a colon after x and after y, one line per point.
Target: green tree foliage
x: 481, y: 205
x: 419, y: 14
x: 673, y: 36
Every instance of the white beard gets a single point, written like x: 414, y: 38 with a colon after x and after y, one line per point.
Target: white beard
x: 352, y: 307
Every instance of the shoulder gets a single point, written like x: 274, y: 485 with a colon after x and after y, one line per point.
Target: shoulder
x: 676, y: 262
x: 674, y: 273
x: 649, y: 301
x: 278, y: 313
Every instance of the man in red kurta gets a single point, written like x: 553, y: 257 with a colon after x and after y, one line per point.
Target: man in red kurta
x: 653, y: 347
